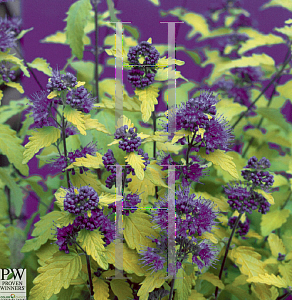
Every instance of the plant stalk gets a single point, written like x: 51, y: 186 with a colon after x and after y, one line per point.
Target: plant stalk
x: 226, y: 253
x: 65, y: 148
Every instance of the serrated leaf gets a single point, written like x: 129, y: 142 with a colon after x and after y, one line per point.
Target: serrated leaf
x: 148, y: 97
x: 129, y: 259
x: 229, y: 108
x: 15, y: 85
x: 150, y: 283
x: 196, y: 296
x: 105, y: 199
x: 183, y: 285
x: 269, y: 279
x: 273, y: 220
x: 60, y: 195
x: 43, y: 231
x: 76, y: 118
x: 100, y: 289
x: 285, y: 270
x: 5, y: 56
x: 76, y: 21
x: 154, y: 174
x: 89, y: 161
x: 168, y: 73
x: 86, y: 179
x: 46, y: 251
x: 212, y: 279
x: 276, y: 245
x: 166, y: 62
x: 10, y: 145
x: 93, y: 244
x: 220, y: 158
x: 136, y: 161
x: 269, y: 197
x: 180, y: 134
x: 121, y: 289
x: 57, y: 274
x: 42, y: 137
x: 93, y: 124
x: 41, y: 65
x: 137, y: 228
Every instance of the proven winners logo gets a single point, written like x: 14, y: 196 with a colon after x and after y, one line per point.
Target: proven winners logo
x: 13, y: 284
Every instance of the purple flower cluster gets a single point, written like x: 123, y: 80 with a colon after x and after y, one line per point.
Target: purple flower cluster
x: 61, y: 163
x: 9, y: 30
x: 248, y: 75
x: 40, y: 110
x: 258, y: 177
x: 242, y: 228
x: 243, y: 199
x: 59, y: 82
x: 129, y: 140
x: 188, y: 174
x: 80, y: 99
x: 142, y: 74
x: 129, y: 204
x: 192, y: 116
x: 194, y: 217
x: 79, y: 203
x: 6, y: 74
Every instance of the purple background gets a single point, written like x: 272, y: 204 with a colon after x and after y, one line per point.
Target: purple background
x: 47, y: 17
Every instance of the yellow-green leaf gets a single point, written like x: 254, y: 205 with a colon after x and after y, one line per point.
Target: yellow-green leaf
x: 183, y: 285
x: 168, y: 73
x: 180, y: 134
x: 150, y: 283
x: 43, y: 231
x: 154, y: 174
x: 273, y: 220
x: 212, y: 279
x: 55, y: 275
x: 148, y: 97
x: 93, y: 244
x: 129, y: 259
x: 89, y: 161
x: 121, y: 289
x: 219, y: 158
x: 78, y: 15
x: 280, y: 3
x: 4, y: 248
x: 15, y: 85
x: 196, y: 296
x: 100, y: 289
x: 276, y: 245
x: 76, y: 118
x: 137, y: 228
x: 136, y: 161
x: 42, y: 137
x: 41, y: 65
x: 86, y: 179
x: 105, y: 199
x: 269, y: 279
x: 5, y: 56
x: 60, y: 195
x: 93, y: 124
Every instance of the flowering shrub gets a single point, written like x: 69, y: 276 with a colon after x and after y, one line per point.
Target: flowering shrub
x: 191, y: 207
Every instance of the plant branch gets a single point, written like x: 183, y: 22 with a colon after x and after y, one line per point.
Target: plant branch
x: 65, y: 148
x: 264, y: 90
x: 226, y: 253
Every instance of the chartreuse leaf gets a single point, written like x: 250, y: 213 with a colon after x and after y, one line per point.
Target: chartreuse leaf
x: 15, y: 85
x: 148, y: 97
x: 89, y: 161
x: 154, y: 174
x: 269, y: 197
x: 46, y: 251
x: 78, y: 15
x: 219, y: 158
x: 41, y: 65
x: 180, y: 134
x: 4, y: 248
x: 196, y: 296
x: 86, y: 179
x: 257, y: 39
x: 130, y: 259
x: 23, y: 32
x: 5, y: 56
x: 1, y: 96
x: 121, y: 289
x: 229, y: 108
x: 10, y: 145
x: 136, y: 161
x: 76, y: 118
x: 42, y: 137
x: 93, y: 124
x: 269, y: 279
x: 248, y: 261
x: 281, y: 3
x: 287, y: 30
x: 93, y: 244
x: 137, y: 228
x: 60, y: 195
x: 212, y: 279
x: 105, y: 199
x: 273, y: 220
x: 150, y: 283
x: 285, y: 270
x: 183, y: 285
x: 166, y: 62
x: 43, y: 231
x: 100, y: 289
x: 55, y: 275
x: 168, y: 73
x: 157, y: 3
x: 276, y: 245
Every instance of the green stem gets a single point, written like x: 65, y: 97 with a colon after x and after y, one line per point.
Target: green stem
x: 171, y: 289
x: 226, y: 253
x: 154, y: 147
x: 65, y: 148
